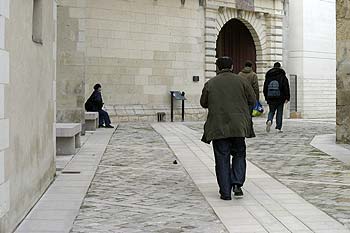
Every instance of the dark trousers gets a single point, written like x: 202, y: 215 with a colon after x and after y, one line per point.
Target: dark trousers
x: 103, y: 118
x: 279, y: 116
x: 228, y: 175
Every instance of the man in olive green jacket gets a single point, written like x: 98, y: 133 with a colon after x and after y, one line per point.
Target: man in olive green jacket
x: 251, y: 76
x: 248, y: 74
x: 228, y: 98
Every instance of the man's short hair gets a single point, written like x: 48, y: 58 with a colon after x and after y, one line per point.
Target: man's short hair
x: 224, y: 63
x: 97, y: 86
x: 277, y: 65
x: 248, y: 63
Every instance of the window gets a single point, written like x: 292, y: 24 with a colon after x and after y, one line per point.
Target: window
x: 37, y: 21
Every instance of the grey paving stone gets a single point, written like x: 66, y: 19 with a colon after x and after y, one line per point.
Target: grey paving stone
x: 137, y: 188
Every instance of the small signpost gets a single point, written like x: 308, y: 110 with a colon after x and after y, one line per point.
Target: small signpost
x: 177, y: 95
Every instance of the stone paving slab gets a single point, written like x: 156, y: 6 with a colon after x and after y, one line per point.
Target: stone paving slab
x: 326, y: 143
x: 268, y: 205
x: 58, y: 207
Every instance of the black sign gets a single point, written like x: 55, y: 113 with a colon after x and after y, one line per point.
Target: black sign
x: 247, y: 5
x: 177, y: 95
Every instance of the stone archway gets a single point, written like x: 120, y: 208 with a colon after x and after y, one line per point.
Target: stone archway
x: 236, y: 41
x: 257, y: 23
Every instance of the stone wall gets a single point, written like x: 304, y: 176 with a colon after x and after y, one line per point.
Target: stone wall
x: 27, y: 148
x: 70, y: 61
x: 343, y: 71
x: 138, y: 50
x: 4, y: 116
x: 311, y: 56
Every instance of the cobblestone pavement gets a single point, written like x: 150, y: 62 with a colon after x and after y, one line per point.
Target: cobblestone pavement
x: 137, y: 188
x: 317, y: 177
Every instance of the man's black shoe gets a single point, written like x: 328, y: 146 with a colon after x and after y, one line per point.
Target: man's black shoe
x: 238, y: 192
x: 101, y: 126
x: 109, y: 126
x: 225, y: 198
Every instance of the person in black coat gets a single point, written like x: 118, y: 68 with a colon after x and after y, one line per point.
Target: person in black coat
x: 95, y: 104
x: 277, y: 93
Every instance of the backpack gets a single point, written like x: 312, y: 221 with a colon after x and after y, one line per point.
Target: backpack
x: 273, y: 89
x: 89, y: 105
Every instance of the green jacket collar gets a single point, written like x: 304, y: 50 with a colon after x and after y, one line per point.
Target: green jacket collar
x: 224, y: 71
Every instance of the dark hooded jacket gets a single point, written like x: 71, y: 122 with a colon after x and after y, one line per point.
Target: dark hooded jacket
x: 279, y: 75
x: 95, y: 102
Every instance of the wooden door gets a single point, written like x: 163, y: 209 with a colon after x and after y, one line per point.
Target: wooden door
x: 235, y: 41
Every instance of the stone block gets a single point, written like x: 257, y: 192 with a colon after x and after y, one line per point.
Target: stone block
x: 4, y: 67
x: 295, y: 115
x: 2, y: 101
x: 78, y: 13
x: 91, y: 121
x: 147, y: 55
x: 5, y: 8
x: 67, y: 129
x: 4, y: 134
x: 157, y: 46
x: 146, y: 71
x: 161, y: 55
x: 2, y: 32
x: 2, y: 167
x: 210, y: 67
x: 67, y: 138
x: 4, y: 198
x: 141, y: 80
x: 93, y: 52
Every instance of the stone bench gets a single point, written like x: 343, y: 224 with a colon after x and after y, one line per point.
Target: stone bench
x: 67, y: 138
x: 91, y: 121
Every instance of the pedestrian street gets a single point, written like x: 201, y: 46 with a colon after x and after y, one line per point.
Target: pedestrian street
x: 160, y: 177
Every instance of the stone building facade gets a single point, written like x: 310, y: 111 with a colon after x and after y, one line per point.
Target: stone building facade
x: 27, y: 105
x: 311, y: 56
x: 343, y: 71
x: 141, y: 50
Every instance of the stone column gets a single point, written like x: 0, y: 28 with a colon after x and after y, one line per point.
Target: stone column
x: 274, y: 34
x: 210, y: 40
x: 4, y: 116
x: 343, y: 71
x: 71, y: 62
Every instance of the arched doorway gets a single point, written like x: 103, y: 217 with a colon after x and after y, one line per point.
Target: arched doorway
x: 236, y: 41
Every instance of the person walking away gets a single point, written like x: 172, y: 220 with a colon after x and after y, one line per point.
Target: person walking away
x: 248, y: 73
x: 95, y: 104
x: 277, y: 93
x: 228, y: 98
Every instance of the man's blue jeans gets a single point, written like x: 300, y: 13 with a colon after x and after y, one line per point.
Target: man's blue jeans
x: 228, y: 175
x: 279, y: 116
x: 103, y: 118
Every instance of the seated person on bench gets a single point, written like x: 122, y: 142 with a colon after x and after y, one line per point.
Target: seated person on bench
x: 94, y: 104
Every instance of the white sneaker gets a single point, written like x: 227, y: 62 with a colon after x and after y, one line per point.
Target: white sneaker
x: 268, y: 126
x: 279, y: 131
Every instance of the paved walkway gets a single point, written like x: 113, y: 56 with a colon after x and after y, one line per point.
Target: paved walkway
x: 136, y: 187
x: 58, y: 207
x: 317, y: 177
x: 268, y: 205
